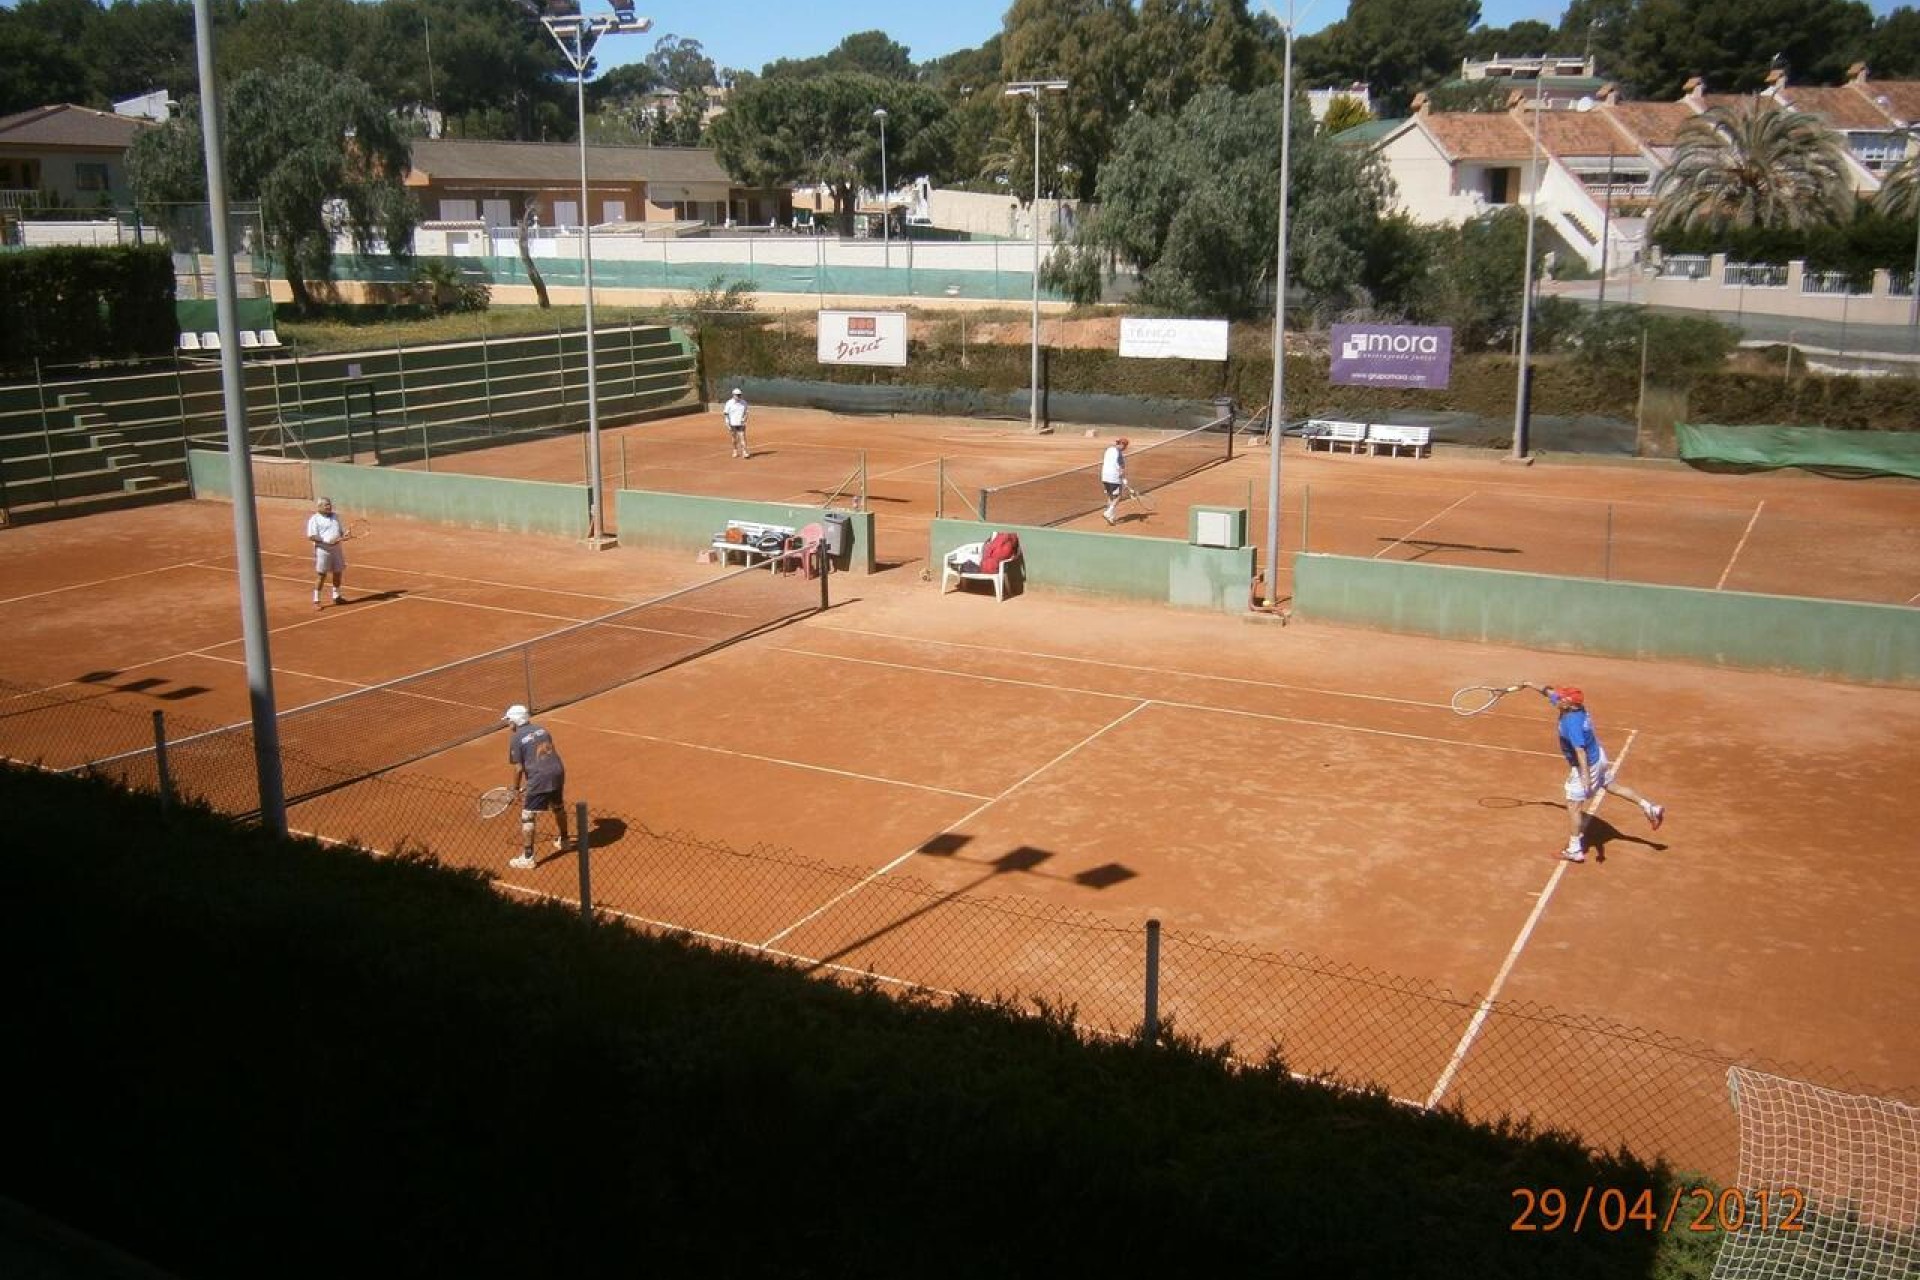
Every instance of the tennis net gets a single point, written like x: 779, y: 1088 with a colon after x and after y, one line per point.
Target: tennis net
x: 1066, y: 495
x: 339, y: 740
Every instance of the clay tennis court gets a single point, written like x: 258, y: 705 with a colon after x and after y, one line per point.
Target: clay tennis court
x: 1302, y: 789
x: 1784, y: 532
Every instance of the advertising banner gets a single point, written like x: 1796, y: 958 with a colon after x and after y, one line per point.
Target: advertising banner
x: 862, y: 337
x: 1392, y: 355
x: 1173, y: 339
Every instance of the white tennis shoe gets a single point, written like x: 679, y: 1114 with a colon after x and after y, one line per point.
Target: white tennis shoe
x: 524, y: 862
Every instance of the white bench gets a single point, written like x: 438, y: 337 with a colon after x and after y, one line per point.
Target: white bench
x: 1385, y: 436
x: 1332, y: 434
x: 746, y: 545
x: 969, y: 553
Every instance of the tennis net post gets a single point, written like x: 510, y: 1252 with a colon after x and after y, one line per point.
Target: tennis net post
x: 581, y: 846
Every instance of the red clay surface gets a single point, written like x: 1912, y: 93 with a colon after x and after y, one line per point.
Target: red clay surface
x: 1785, y: 532
x: 1301, y: 788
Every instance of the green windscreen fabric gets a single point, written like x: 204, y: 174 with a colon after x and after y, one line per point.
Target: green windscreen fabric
x: 1892, y: 453
x: 203, y: 316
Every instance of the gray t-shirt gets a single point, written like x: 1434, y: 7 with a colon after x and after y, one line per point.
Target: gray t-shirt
x: 531, y: 747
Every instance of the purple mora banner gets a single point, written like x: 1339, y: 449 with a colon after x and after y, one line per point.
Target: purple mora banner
x: 1392, y: 355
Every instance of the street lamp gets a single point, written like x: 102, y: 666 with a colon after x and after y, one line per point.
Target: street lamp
x: 577, y: 34
x: 1520, y: 394
x: 1276, y: 415
x: 1031, y: 90
x: 886, y: 230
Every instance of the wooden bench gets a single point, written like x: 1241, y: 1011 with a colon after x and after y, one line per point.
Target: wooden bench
x: 750, y: 533
x: 1385, y: 436
x: 969, y: 553
x: 1333, y: 434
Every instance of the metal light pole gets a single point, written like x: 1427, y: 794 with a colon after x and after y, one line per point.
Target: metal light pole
x: 1276, y: 415
x: 886, y: 221
x: 577, y: 35
x: 1521, y: 409
x: 1031, y: 90
x: 246, y: 528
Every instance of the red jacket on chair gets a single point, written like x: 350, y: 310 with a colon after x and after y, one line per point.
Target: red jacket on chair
x: 999, y: 549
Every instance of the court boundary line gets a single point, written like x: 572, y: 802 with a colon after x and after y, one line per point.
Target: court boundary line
x: 1740, y: 545
x: 585, y: 727
x: 1438, y: 515
x: 1133, y: 666
x: 1525, y: 935
x: 97, y: 582
x: 1176, y: 704
x: 871, y: 876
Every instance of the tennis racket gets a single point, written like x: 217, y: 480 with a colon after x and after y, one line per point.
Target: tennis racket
x: 360, y: 529
x: 1474, y: 699
x: 1146, y: 503
x: 496, y: 801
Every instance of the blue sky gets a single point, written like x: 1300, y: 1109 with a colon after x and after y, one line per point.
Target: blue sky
x: 748, y: 34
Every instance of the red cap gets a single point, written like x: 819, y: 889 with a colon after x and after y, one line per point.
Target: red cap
x: 1570, y: 696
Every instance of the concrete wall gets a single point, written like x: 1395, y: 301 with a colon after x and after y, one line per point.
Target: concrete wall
x: 1869, y: 643
x: 1158, y: 570
x: 1878, y: 306
x: 649, y: 519
x: 478, y: 502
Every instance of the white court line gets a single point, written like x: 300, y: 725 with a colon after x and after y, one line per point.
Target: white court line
x: 1003, y: 651
x: 1741, y: 545
x: 587, y: 727
x: 1513, y: 954
x: 516, y: 587
x: 96, y: 582
x: 842, y: 896
x: 1167, y: 702
x: 1423, y: 524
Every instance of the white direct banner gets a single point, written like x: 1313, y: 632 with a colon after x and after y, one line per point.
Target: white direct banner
x: 1174, y: 339
x: 863, y: 337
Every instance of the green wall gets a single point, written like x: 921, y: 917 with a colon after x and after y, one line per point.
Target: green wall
x: 477, y: 502
x: 647, y: 518
x: 1872, y: 643
x: 1155, y: 569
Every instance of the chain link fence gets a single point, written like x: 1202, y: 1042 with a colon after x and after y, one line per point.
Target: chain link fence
x: 1612, y: 1084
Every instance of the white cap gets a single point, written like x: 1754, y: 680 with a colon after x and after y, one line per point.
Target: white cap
x: 737, y: 391
x: 516, y: 715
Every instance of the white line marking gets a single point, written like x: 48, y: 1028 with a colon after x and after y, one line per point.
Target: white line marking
x: 1423, y: 524
x: 1741, y: 545
x: 96, y: 582
x: 842, y: 896
x: 588, y: 727
x: 1166, y: 702
x: 1513, y: 954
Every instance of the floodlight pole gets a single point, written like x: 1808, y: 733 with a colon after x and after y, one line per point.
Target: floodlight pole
x: 246, y: 528
x: 1521, y: 409
x: 1276, y: 412
x: 1031, y: 90
x: 577, y: 35
x: 886, y: 229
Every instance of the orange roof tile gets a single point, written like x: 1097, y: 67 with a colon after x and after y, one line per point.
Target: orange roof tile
x: 1655, y: 124
x: 1841, y: 108
x: 1478, y: 135
x: 1898, y: 98
x: 1579, y: 133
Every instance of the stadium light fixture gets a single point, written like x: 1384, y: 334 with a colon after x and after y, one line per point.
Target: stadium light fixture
x: 1031, y: 90
x: 886, y: 220
x: 577, y: 34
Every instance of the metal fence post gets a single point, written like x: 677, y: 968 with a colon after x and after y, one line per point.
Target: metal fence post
x: 1150, y: 1023
x: 1606, y: 571
x: 826, y: 570
x: 160, y: 760
x: 582, y: 845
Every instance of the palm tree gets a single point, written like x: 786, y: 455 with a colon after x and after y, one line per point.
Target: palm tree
x: 1899, y: 196
x: 1754, y: 165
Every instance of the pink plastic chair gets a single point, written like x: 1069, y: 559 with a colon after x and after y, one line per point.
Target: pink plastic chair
x: 807, y: 555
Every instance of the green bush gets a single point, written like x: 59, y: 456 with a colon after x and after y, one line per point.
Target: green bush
x: 69, y: 305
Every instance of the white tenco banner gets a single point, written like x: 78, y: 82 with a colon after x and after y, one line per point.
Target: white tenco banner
x: 863, y: 337
x: 1174, y: 339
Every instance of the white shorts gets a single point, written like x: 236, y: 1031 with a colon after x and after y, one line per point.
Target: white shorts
x: 329, y: 559
x: 1602, y: 773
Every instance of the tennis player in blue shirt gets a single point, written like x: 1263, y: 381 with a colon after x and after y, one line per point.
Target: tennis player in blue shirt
x: 1589, y: 771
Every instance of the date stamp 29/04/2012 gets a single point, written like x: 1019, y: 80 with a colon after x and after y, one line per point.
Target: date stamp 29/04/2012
x: 1696, y: 1208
